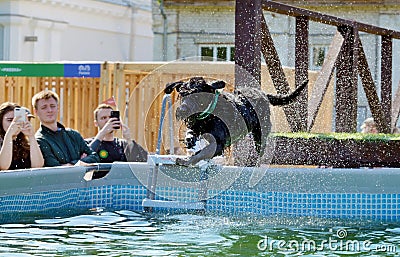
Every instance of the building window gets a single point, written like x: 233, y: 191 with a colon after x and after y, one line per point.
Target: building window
x: 217, y: 53
x: 318, y: 55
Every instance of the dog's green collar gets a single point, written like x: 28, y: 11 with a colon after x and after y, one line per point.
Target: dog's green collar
x: 210, y: 107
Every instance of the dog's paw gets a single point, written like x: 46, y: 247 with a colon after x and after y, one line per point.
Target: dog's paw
x: 190, y: 142
x: 182, y: 162
x: 190, y: 139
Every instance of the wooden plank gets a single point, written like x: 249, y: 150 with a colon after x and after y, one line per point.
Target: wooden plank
x: 301, y: 72
x: 11, y: 92
x: 93, y: 96
x: 276, y: 71
x: 36, y: 88
x: 396, y: 107
x: 386, y: 78
x: 27, y: 95
x: 3, y: 89
x: 88, y: 122
x: 18, y: 91
x: 84, y: 104
x: 119, y: 86
x: 272, y: 60
x: 106, y: 83
x: 346, y: 84
x: 68, y: 108
x: 248, y: 17
x: 285, y: 9
x: 119, y: 90
x: 323, y: 79
x: 145, y: 67
x: 370, y: 91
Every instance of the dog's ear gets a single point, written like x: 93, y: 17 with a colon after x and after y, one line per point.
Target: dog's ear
x: 218, y: 84
x: 171, y: 86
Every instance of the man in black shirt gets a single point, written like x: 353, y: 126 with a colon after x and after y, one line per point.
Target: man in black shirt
x: 110, y: 148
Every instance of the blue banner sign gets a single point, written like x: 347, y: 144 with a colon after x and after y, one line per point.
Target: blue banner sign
x: 82, y: 70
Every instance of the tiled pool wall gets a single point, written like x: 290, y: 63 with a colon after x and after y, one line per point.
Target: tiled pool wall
x: 323, y: 205
x: 381, y: 206
x: 111, y: 196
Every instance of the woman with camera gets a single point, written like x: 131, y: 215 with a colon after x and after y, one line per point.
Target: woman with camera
x: 19, y: 148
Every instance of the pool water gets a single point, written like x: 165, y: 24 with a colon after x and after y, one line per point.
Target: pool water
x: 127, y: 233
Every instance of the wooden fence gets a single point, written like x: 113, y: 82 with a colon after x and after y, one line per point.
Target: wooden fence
x: 138, y: 91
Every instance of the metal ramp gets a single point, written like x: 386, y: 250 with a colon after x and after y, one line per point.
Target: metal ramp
x: 157, y: 160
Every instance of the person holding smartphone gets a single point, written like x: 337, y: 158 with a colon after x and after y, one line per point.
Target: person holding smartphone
x: 60, y: 146
x: 19, y: 148
x: 108, y: 147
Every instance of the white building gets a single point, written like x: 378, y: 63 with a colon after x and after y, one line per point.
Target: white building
x: 76, y: 30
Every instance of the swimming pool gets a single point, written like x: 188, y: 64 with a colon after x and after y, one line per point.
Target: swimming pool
x: 371, y: 194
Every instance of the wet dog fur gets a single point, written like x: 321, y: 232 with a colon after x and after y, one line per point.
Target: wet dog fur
x: 231, y: 117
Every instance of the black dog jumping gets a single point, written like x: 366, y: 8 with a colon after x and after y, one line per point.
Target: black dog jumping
x: 219, y: 119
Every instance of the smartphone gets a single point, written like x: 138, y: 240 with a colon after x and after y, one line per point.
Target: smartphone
x: 21, y: 113
x: 115, y: 114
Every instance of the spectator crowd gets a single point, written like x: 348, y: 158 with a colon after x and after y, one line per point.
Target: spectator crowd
x: 55, y: 145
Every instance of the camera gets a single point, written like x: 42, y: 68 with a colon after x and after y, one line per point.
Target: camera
x: 115, y: 114
x: 20, y: 112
